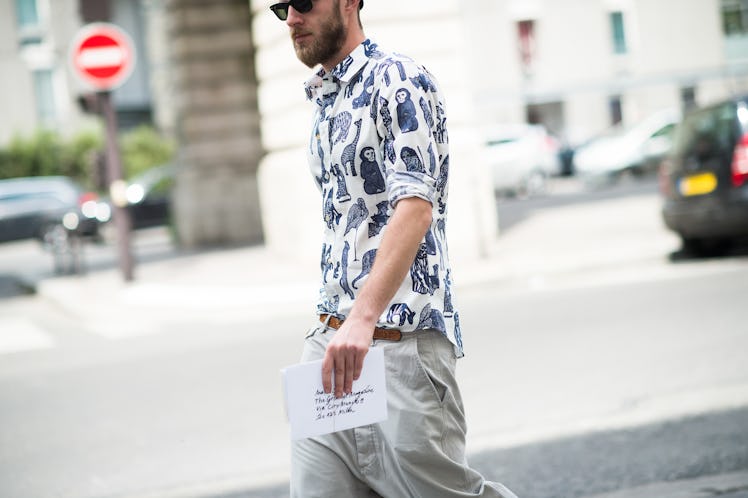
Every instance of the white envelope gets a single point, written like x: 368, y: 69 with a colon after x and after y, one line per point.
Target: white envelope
x: 311, y: 412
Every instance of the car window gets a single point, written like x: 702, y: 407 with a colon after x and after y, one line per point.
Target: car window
x: 707, y: 133
x: 665, y: 131
x: 32, y: 197
x: 501, y: 141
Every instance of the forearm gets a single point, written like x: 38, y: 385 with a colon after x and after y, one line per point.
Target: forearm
x: 397, y: 251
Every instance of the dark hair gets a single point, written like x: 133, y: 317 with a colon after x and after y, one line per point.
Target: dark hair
x: 361, y: 5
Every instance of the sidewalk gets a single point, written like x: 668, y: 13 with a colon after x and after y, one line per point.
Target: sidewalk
x: 611, y: 239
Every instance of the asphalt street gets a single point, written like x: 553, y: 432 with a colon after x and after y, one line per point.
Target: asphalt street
x: 587, y: 465
x: 597, y: 367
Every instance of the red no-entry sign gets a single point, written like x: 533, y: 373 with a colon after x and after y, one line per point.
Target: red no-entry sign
x: 103, y: 55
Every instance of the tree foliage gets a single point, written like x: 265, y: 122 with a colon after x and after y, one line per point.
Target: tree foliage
x: 45, y: 153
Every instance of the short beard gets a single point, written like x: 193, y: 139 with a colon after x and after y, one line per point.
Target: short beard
x: 328, y: 45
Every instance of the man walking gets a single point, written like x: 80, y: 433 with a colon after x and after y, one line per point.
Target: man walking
x: 379, y: 154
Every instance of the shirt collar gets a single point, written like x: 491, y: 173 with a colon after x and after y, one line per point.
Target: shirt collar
x: 323, y: 83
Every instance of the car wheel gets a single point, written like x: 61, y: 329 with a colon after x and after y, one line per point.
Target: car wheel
x: 705, y: 247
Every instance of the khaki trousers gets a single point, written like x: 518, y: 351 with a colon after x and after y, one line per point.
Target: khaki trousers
x: 418, y: 452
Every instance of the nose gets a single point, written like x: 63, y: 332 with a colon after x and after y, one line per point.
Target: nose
x: 294, y: 17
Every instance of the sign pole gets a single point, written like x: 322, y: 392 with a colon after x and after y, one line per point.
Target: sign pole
x: 117, y: 188
x: 103, y: 56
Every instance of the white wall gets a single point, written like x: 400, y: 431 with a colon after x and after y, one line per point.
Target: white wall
x: 58, y: 20
x: 437, y: 39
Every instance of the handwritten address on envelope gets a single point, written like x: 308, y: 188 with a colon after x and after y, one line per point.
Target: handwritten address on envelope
x: 312, y: 412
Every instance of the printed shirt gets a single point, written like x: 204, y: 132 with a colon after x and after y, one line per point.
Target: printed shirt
x: 378, y: 136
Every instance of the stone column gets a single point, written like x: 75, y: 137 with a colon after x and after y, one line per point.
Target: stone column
x: 217, y: 122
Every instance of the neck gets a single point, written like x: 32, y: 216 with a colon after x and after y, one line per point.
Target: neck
x: 355, y: 38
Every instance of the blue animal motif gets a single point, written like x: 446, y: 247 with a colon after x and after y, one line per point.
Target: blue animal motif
x: 357, y: 78
x: 430, y: 242
x: 441, y: 180
x: 406, y: 111
x: 431, y: 319
x: 342, y: 68
x: 325, y: 178
x: 356, y: 215
x: 440, y: 134
x: 423, y: 282
x: 448, y: 309
x: 432, y: 159
x: 327, y: 305
x: 439, y: 236
x: 423, y: 81
x: 441, y: 228
x: 401, y: 70
x: 342, y: 195
x: 367, y: 261
x: 325, y: 103
x: 330, y: 215
x: 348, y: 156
x: 340, y: 124
x: 325, y: 261
x: 371, y: 172
x: 378, y: 220
x: 458, y: 330
x: 427, y: 113
x: 412, y: 162
x: 389, y: 139
x: 401, y: 312
x: 372, y: 49
x: 364, y: 98
x: 441, y: 184
x: 344, y: 271
x: 374, y: 109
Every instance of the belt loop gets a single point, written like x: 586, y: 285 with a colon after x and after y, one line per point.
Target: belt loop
x: 326, y: 321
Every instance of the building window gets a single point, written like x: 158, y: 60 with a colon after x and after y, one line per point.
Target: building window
x: 45, y: 96
x: 615, y: 109
x: 735, y: 17
x: 27, y: 13
x: 29, y: 25
x: 618, y: 32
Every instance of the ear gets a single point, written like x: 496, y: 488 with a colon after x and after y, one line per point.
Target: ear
x: 351, y: 4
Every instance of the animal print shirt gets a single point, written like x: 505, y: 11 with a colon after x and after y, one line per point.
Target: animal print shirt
x: 379, y: 136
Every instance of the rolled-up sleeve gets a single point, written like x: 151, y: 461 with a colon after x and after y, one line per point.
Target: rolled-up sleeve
x: 405, y: 121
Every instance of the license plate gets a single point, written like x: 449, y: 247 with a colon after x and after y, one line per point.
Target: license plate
x: 700, y: 184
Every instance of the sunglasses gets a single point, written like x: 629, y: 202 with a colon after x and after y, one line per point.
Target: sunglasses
x: 301, y: 6
x: 281, y: 9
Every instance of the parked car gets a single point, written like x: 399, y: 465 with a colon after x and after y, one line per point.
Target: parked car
x: 635, y: 150
x: 521, y: 157
x: 704, y: 181
x: 45, y: 207
x: 149, y: 196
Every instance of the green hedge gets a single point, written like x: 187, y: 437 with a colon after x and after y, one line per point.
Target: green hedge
x: 46, y: 153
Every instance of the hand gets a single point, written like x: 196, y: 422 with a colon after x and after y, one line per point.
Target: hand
x: 344, y: 357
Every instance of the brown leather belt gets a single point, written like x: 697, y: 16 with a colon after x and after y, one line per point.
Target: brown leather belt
x: 379, y: 333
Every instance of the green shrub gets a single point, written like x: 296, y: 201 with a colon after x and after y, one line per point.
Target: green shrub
x: 45, y: 153
x: 34, y: 156
x: 142, y: 148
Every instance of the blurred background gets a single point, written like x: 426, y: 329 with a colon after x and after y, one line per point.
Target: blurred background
x: 598, y: 224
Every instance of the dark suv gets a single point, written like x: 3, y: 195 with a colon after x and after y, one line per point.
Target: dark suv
x: 705, y: 178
